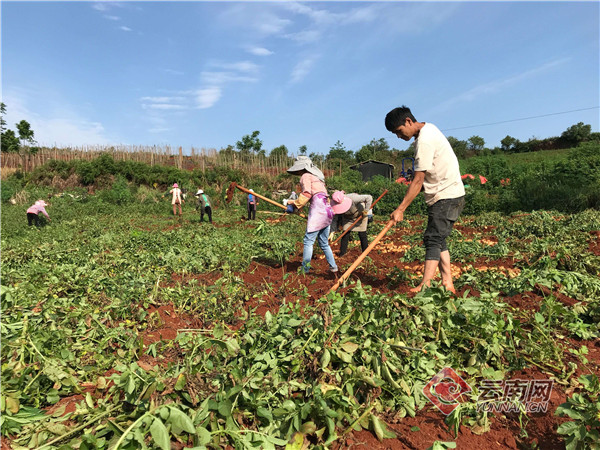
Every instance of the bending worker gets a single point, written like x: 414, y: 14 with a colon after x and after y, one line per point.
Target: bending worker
x: 361, y: 204
x: 33, y: 213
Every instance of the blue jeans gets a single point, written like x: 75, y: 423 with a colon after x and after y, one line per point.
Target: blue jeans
x: 309, y: 242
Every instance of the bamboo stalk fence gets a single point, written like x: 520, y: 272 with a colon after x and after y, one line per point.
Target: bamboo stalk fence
x: 201, y: 159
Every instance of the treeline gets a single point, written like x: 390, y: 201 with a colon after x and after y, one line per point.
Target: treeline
x: 20, y: 151
x: 567, y: 181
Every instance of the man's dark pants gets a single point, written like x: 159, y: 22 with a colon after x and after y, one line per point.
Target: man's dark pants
x: 208, y: 211
x: 440, y: 220
x: 364, y: 242
x: 33, y: 218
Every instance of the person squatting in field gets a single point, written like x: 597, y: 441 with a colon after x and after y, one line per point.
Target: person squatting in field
x: 33, y: 213
x: 359, y: 207
x: 251, y: 205
x: 176, y: 200
x: 438, y: 175
x: 320, y: 213
x: 203, y: 202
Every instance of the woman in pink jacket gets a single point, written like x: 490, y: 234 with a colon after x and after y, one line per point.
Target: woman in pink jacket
x: 33, y: 213
x: 320, y: 211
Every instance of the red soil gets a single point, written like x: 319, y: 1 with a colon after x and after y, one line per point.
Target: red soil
x: 376, y: 273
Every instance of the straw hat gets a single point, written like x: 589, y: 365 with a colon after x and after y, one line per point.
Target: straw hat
x: 340, y: 203
x: 305, y: 163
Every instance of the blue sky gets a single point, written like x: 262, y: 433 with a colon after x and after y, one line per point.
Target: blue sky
x: 204, y: 74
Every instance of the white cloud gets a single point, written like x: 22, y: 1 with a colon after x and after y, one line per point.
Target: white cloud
x: 210, y: 91
x: 221, y: 78
x: 241, y: 66
x: 115, y: 18
x: 178, y: 103
x: 162, y: 99
x: 259, y: 51
x: 65, y: 132
x: 262, y: 21
x: 124, y: 28
x: 302, y: 69
x: 61, y: 127
x: 100, y: 6
x: 159, y: 130
x: 320, y: 16
x: 305, y: 36
x: 495, y: 86
x: 107, y: 5
x: 269, y: 24
x: 366, y: 14
x: 207, y: 97
x: 173, y: 72
x: 164, y: 106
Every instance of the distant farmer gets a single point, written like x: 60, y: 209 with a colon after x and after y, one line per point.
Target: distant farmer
x: 252, y: 203
x: 33, y: 213
x: 320, y: 212
x: 293, y: 196
x: 203, y: 203
x: 438, y: 175
x: 177, y: 200
x: 360, y: 206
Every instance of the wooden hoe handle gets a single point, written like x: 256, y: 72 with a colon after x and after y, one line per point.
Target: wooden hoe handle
x: 268, y: 200
x: 364, y: 254
x: 357, y: 220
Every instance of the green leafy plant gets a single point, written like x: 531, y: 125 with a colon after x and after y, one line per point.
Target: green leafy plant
x: 584, y: 408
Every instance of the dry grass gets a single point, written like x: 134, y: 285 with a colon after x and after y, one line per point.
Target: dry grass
x: 6, y: 172
x: 20, y: 198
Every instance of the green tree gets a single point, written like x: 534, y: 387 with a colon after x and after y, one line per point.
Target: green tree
x: 576, y: 134
x: 278, y: 154
x: 228, y: 151
x: 8, y: 140
x: 2, y: 114
x: 338, y: 152
x: 317, y: 159
x: 25, y: 132
x: 250, y: 144
x: 459, y: 147
x: 377, y: 149
x: 508, y: 143
x: 302, y: 149
x: 476, y: 143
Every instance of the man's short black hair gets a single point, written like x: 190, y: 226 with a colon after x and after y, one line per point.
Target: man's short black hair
x: 397, y: 117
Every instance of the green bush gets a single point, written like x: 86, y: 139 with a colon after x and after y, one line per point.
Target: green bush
x: 478, y: 201
x: 118, y: 194
x: 566, y: 181
x: 8, y: 188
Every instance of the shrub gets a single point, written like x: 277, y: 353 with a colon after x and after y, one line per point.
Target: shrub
x: 118, y: 194
x: 8, y: 188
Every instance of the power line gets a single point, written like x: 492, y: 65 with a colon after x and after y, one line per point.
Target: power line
x: 523, y: 118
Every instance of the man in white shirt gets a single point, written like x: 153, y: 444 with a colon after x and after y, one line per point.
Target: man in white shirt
x: 438, y: 175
